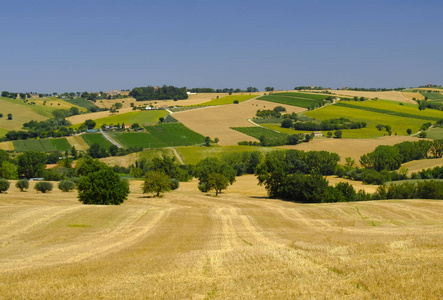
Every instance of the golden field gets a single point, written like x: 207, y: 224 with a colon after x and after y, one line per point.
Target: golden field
x: 240, y: 245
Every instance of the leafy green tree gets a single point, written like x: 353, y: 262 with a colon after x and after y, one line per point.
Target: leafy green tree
x: 43, y: 186
x: 66, y: 185
x: 74, y: 152
x: 217, y: 182
x: 216, y: 140
x: 422, y: 134
x: 103, y: 188
x: 113, y: 149
x: 87, y: 165
x: 9, y: 116
x: 338, y: 134
x: 118, y: 105
x: 8, y: 170
x: 269, y: 88
x: 207, y: 141
x: 329, y: 134
x: 380, y: 127
x: 156, y: 182
x: 4, y: 185
x: 22, y: 184
x: 90, y: 124
x: 31, y: 164
x: 211, y: 165
x: 409, y: 131
x: 287, y: 123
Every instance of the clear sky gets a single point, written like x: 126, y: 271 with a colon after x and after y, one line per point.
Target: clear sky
x: 57, y: 46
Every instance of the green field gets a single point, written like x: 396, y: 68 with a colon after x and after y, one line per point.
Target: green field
x: 96, y: 138
x: 393, y: 108
x: 433, y: 96
x: 434, y: 133
x: 141, y: 117
x: 159, y: 136
x: 228, y: 100
x: 44, y: 145
x: 192, y: 155
x: 295, y: 99
x: 270, y: 135
x: 357, y: 112
x: 3, y: 132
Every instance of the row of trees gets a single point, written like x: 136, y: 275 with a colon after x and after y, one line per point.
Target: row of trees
x: 227, y: 90
x: 330, y: 124
x: 159, y: 93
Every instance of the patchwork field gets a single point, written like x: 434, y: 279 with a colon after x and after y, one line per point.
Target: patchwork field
x: 377, y: 112
x: 163, y: 135
x: 96, y: 138
x: 78, y: 142
x: 353, y: 148
x: 434, y: 133
x: 45, y: 145
x: 389, y: 95
x: 296, y: 99
x: 434, y: 96
x: 258, y: 132
x: 216, y: 121
x: 236, y: 246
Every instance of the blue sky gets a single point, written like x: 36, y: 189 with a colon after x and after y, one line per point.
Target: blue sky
x: 57, y: 46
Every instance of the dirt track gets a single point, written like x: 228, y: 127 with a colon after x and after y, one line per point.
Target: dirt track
x: 239, y: 245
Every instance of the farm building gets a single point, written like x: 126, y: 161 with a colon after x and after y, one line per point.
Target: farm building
x: 318, y: 134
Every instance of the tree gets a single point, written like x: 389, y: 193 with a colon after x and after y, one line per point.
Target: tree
x: 103, y: 187
x: 135, y: 126
x: 269, y: 88
x: 74, y: 152
x: 9, y: 116
x: 118, y: 105
x: 156, y: 182
x: 422, y: 134
x: 217, y: 182
x: 43, y: 186
x: 380, y: 127
x: 287, y: 123
x: 216, y: 140
x: 8, y: 170
x: 90, y: 124
x: 87, y: 165
x: 409, y: 131
x: 66, y: 185
x: 338, y: 134
x: 31, y: 164
x: 207, y: 141
x: 113, y: 149
x: 22, y: 184
x: 4, y: 185
x: 329, y: 134
x: 211, y: 165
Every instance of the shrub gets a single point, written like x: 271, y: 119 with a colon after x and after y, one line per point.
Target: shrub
x: 22, y: 184
x: 175, y: 184
x: 235, y: 101
x: 43, y: 186
x: 66, y: 185
x: 4, y: 185
x: 422, y: 135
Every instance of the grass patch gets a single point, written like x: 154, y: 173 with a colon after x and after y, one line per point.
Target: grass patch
x: 433, y: 96
x: 141, y: 117
x: 96, y: 138
x: 44, y: 145
x: 3, y: 132
x: 228, y: 100
x: 295, y: 99
x: 159, y: 136
x: 258, y: 132
x: 434, y: 133
x: 192, y: 155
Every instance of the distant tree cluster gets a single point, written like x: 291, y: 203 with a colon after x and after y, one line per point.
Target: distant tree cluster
x: 329, y: 124
x: 159, y: 93
x: 224, y: 90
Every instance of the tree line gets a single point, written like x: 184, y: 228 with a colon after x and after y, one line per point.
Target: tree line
x: 159, y: 93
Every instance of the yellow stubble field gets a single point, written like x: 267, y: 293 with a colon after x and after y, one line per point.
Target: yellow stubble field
x: 240, y: 245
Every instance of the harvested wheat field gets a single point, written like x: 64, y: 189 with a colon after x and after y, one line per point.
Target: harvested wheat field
x: 190, y: 245
x: 6, y: 146
x: 353, y: 148
x: 389, y: 95
x: 412, y: 95
x: 216, y: 121
x: 78, y: 142
x: 418, y: 165
x: 77, y: 119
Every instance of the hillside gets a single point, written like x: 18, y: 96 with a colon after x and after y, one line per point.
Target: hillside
x: 389, y: 95
x: 239, y: 245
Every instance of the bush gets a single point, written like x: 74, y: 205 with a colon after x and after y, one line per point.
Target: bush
x: 175, y: 184
x: 43, y: 186
x: 22, y: 184
x: 235, y: 101
x: 422, y: 135
x: 103, y: 187
x: 4, y: 185
x: 66, y: 185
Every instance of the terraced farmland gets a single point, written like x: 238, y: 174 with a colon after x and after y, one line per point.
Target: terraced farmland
x: 434, y: 96
x: 296, y: 99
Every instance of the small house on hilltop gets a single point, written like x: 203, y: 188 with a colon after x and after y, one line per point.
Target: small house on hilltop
x: 127, y: 126
x: 318, y: 134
